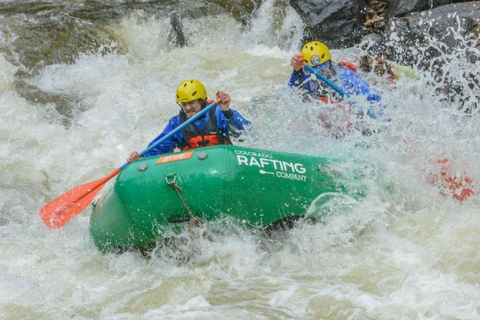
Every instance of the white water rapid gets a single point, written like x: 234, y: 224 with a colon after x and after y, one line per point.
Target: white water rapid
x: 407, y: 250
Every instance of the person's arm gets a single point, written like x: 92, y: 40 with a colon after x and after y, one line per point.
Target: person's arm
x: 234, y: 118
x: 298, y: 76
x: 168, y: 145
x: 353, y: 84
x: 231, y: 121
x: 228, y: 120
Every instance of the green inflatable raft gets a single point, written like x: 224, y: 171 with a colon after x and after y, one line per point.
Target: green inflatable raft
x: 258, y: 188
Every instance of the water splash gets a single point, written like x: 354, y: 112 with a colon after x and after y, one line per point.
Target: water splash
x: 401, y: 246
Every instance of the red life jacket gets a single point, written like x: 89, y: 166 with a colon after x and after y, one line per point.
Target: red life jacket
x: 210, y: 135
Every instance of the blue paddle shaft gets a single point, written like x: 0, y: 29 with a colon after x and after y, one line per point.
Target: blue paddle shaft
x: 171, y: 133
x: 324, y: 79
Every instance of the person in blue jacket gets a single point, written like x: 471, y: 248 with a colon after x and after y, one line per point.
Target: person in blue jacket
x: 343, y: 74
x: 213, y: 128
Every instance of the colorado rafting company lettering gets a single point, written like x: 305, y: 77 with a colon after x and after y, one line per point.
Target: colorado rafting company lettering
x: 268, y: 165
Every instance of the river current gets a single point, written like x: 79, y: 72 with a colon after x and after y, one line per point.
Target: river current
x: 407, y: 250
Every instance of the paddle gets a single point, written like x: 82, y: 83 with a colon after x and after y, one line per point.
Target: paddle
x: 325, y: 79
x: 460, y: 185
x: 61, y: 210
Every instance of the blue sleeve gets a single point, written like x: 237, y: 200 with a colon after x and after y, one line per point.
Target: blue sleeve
x: 353, y: 84
x: 296, y: 80
x: 168, y: 145
x: 235, y: 119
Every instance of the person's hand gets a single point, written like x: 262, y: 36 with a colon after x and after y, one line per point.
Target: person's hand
x: 133, y: 157
x: 223, y: 100
x: 297, y: 62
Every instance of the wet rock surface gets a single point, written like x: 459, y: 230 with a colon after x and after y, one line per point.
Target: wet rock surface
x: 344, y: 23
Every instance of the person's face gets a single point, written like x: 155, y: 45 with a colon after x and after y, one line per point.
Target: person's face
x: 323, y: 68
x: 191, y: 108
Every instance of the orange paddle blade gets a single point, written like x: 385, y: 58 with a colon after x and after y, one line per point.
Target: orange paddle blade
x: 61, y: 210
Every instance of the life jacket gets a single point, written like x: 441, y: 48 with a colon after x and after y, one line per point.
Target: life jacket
x: 194, y: 138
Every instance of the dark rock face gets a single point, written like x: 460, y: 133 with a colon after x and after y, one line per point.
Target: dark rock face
x: 432, y: 38
x: 449, y: 26
x: 337, y: 23
x: 343, y: 23
x: 398, y: 8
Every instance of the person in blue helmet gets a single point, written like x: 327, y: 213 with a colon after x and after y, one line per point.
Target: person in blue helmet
x: 214, y: 128
x: 344, y: 75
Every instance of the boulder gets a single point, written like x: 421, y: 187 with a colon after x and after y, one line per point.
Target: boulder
x: 441, y: 30
x: 336, y: 23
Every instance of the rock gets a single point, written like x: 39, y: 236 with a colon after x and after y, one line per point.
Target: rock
x: 447, y: 26
x: 344, y: 23
x: 336, y: 23
x: 399, y: 8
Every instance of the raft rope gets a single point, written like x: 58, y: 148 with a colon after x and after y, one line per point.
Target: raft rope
x: 193, y: 222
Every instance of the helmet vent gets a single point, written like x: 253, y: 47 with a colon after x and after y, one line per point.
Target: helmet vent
x: 194, y: 93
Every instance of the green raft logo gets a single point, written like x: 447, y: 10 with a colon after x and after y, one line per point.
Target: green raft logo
x: 270, y: 166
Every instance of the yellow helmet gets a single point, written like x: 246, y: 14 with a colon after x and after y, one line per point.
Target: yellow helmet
x: 315, y: 53
x: 190, y: 90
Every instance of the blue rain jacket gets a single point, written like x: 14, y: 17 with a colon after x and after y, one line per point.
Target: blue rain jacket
x: 348, y: 80
x: 177, y: 139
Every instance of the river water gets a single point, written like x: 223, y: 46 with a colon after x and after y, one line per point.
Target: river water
x: 71, y: 113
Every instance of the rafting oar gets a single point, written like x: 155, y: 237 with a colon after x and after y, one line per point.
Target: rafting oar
x: 461, y: 186
x: 325, y: 79
x: 61, y: 210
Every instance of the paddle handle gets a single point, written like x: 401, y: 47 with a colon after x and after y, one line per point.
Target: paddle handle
x: 171, y: 133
